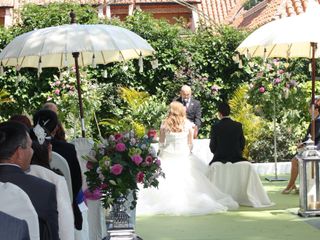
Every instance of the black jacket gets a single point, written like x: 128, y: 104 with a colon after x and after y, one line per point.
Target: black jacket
x: 227, y: 141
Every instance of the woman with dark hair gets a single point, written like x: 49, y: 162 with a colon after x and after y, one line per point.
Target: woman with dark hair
x: 41, y: 154
x: 40, y: 167
x: 291, y: 187
x: 21, y: 119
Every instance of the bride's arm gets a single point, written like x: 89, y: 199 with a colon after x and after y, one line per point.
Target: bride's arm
x: 162, y: 136
x: 190, y: 139
x: 162, y: 139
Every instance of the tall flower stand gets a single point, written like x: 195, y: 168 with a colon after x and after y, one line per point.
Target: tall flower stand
x: 118, y: 222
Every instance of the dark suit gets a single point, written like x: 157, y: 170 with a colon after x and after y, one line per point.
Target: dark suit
x: 68, y: 151
x: 317, y: 132
x: 227, y: 141
x: 41, y: 193
x: 13, y: 228
x: 193, y: 111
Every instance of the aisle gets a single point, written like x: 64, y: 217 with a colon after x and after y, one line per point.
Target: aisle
x: 276, y: 222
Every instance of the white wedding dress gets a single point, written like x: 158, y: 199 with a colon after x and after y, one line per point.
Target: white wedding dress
x: 185, y: 190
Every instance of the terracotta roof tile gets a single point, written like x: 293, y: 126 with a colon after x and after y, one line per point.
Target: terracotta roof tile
x: 269, y: 10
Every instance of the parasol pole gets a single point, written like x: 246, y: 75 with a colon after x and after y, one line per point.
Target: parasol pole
x: 313, y: 79
x: 76, y: 56
x: 76, y: 63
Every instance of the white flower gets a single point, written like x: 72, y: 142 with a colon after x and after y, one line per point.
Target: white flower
x: 126, y: 136
x: 152, y: 151
x: 143, y: 146
x: 133, y: 141
x: 101, y: 176
x: 131, y: 133
x: 112, y: 138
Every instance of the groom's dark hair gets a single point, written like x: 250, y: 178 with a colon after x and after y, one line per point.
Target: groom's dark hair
x: 224, y: 109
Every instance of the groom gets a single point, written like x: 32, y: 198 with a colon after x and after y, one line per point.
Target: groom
x: 226, y: 138
x: 193, y: 107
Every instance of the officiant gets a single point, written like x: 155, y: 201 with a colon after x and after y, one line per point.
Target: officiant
x: 193, y: 107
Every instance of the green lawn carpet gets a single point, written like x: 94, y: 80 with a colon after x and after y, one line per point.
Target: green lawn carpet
x: 278, y: 222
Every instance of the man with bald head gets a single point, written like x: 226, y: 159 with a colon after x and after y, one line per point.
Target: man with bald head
x: 50, y: 106
x: 192, y: 105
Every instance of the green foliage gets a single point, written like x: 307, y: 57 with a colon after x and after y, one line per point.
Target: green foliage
x: 34, y: 16
x: 243, y: 113
x: 139, y: 111
x: 64, y: 94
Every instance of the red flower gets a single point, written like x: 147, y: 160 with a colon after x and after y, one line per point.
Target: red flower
x: 140, y: 177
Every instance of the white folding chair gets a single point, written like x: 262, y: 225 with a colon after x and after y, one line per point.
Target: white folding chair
x: 95, y: 213
x: 64, y: 203
x: 14, y: 201
x: 241, y: 181
x: 83, y: 147
x: 61, y: 163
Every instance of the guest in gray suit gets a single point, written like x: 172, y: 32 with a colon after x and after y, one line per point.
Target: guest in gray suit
x: 193, y: 107
x: 15, y: 158
x: 13, y: 228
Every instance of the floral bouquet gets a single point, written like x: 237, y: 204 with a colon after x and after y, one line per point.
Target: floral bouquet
x: 119, y: 165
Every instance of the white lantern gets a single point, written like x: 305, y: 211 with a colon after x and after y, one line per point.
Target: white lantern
x: 309, y: 181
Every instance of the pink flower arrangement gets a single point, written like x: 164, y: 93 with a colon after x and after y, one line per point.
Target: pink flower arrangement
x: 137, y: 159
x: 120, y: 147
x: 116, y: 169
x: 120, y: 165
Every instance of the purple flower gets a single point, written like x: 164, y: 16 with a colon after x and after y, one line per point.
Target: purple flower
x: 116, y: 169
x: 277, y: 80
x: 92, y: 195
x: 262, y: 89
x: 137, y: 159
x: 89, y: 165
x: 120, y: 147
x: 158, y: 162
x: 104, y: 186
x: 140, y: 177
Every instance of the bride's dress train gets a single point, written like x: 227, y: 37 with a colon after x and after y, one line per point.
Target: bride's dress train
x: 185, y: 190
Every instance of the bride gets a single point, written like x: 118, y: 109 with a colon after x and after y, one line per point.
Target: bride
x: 185, y: 190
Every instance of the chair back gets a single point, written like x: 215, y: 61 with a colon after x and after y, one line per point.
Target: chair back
x: 14, y: 201
x: 83, y: 147
x: 59, y: 162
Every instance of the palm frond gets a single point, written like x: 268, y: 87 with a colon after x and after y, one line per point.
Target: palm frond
x: 133, y: 97
x: 243, y: 112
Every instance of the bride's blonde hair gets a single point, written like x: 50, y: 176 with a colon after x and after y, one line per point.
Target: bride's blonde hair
x: 175, y: 120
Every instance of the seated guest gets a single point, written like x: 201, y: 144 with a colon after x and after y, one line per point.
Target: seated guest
x: 226, y: 138
x: 21, y: 119
x: 15, y: 157
x: 13, y: 228
x: 40, y: 167
x: 48, y: 120
x: 60, y: 133
x: 291, y: 186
